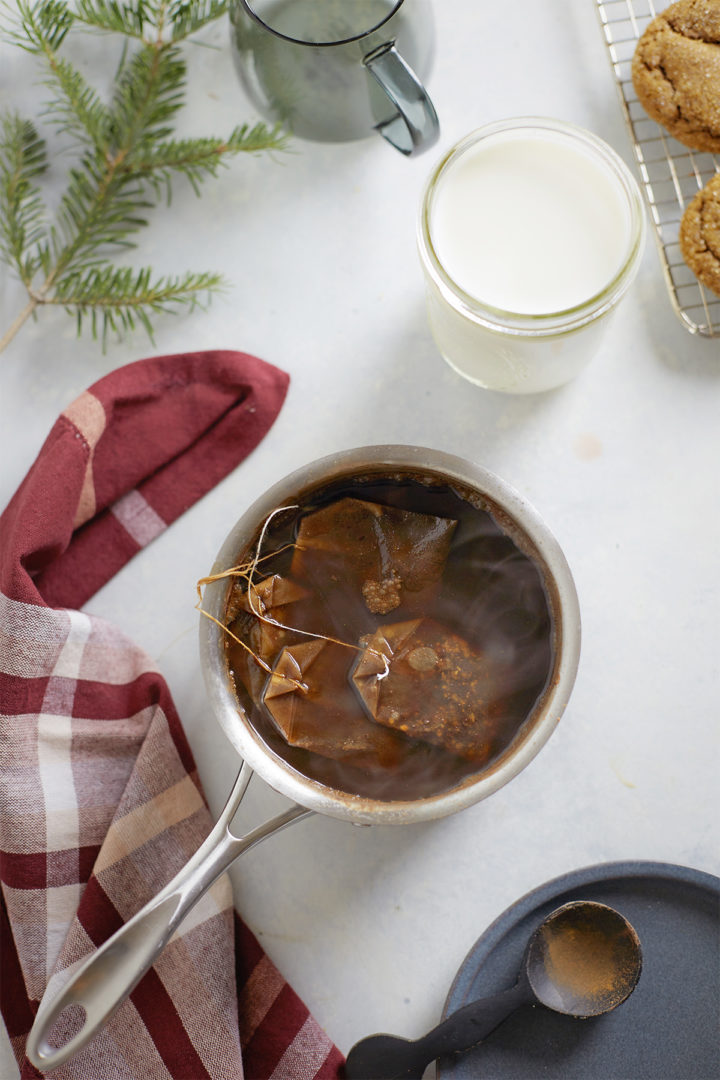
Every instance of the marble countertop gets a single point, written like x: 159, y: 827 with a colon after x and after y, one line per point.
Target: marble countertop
x: 370, y: 925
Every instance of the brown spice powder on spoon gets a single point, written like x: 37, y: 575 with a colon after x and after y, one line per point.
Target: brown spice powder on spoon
x: 587, y: 966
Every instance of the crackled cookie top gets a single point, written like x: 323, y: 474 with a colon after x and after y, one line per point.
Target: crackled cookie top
x: 676, y: 72
x: 700, y: 235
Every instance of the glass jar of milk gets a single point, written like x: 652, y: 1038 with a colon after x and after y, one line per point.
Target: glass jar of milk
x: 531, y: 230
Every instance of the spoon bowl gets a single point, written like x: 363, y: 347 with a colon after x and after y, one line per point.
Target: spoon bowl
x: 583, y: 960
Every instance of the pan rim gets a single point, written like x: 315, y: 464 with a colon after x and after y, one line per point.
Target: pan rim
x: 301, y: 789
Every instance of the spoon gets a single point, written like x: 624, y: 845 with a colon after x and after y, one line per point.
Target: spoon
x: 583, y: 960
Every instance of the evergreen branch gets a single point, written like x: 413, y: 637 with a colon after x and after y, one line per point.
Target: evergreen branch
x: 128, y: 154
x: 78, y: 111
x: 149, y: 94
x: 189, y: 16
x: 246, y: 139
x: 116, y: 299
x: 197, y: 159
x: 39, y: 25
x: 139, y: 20
x: 103, y: 203
x: 127, y: 19
x: 42, y: 29
x: 98, y: 210
x: 22, y: 159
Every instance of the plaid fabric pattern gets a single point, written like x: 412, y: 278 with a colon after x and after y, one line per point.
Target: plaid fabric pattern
x: 100, y: 803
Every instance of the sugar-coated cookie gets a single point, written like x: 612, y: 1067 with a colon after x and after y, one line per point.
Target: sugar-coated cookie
x: 676, y: 72
x: 700, y: 235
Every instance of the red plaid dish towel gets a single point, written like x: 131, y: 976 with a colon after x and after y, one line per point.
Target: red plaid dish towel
x: 100, y: 803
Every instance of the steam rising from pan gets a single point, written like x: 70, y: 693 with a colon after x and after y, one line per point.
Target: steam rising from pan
x: 411, y: 792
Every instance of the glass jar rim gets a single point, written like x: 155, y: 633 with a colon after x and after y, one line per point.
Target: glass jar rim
x: 544, y: 323
x: 249, y: 8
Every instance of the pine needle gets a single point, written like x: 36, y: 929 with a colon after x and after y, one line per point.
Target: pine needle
x: 22, y: 213
x: 117, y: 299
x: 126, y: 159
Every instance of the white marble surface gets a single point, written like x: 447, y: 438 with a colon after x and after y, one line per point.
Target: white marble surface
x: 370, y: 925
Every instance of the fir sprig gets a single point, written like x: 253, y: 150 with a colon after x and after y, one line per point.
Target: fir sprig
x: 22, y: 213
x: 133, y: 296
x: 126, y: 159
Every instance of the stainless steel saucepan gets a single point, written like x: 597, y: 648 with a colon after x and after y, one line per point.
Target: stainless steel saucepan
x: 109, y: 975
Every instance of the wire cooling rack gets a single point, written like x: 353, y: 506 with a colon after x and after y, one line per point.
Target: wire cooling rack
x: 671, y: 174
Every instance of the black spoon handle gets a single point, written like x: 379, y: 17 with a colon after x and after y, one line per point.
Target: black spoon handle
x: 387, y: 1057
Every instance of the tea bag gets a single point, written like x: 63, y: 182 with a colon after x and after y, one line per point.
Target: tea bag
x: 271, y: 598
x: 422, y: 679
x: 263, y: 597
x: 391, y: 556
x: 314, y: 707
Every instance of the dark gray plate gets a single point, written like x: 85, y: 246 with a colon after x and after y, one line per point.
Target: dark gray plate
x: 669, y: 1027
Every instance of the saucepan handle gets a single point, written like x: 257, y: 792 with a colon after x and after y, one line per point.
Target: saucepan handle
x: 414, y: 125
x: 103, y: 981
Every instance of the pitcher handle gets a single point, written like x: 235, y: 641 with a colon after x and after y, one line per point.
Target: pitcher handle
x: 103, y: 981
x: 414, y: 126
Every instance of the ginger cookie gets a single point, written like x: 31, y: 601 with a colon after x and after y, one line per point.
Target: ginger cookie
x: 676, y: 72
x: 700, y: 235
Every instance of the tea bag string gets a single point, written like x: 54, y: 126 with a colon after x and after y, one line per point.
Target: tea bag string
x: 247, y: 571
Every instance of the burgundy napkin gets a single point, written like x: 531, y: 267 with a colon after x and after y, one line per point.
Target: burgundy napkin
x: 99, y: 797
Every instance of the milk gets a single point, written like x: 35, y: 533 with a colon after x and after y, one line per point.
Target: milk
x: 530, y: 224
x: 530, y: 233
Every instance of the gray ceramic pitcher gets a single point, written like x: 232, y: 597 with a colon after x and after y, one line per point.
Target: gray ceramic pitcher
x: 335, y: 70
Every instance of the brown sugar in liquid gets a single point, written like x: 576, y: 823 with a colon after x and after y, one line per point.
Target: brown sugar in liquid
x: 491, y: 594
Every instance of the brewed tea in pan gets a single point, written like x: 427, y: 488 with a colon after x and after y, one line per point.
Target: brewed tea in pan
x: 417, y: 639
